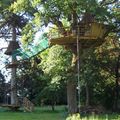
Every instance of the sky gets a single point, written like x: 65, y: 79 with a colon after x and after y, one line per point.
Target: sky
x: 3, y: 60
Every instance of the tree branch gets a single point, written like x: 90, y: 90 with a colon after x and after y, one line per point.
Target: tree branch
x: 103, y: 2
x: 59, y: 24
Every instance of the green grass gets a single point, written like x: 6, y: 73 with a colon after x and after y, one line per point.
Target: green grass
x: 102, y: 117
x: 45, y: 113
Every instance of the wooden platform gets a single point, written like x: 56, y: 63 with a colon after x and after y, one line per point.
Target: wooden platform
x: 89, y: 35
x: 13, y: 45
x: 12, y: 65
x: 72, y: 40
x: 12, y: 107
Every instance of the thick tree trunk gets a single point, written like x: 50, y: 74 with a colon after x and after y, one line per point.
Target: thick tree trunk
x: 71, y: 88
x: 13, y: 74
x: 71, y: 96
x: 117, y: 84
x: 13, y: 87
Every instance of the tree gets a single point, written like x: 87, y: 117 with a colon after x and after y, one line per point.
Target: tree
x: 98, y: 73
x: 2, y: 88
x: 54, y: 11
x: 55, y: 64
x: 10, y: 27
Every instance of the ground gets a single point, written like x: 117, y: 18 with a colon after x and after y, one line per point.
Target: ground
x: 45, y: 113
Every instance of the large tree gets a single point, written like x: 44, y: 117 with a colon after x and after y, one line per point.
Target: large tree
x: 45, y: 12
x: 2, y: 88
x: 10, y: 29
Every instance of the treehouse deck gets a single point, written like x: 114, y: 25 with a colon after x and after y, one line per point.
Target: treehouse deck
x: 13, y: 45
x: 92, y: 34
x: 12, y: 65
x: 12, y: 107
x: 86, y: 42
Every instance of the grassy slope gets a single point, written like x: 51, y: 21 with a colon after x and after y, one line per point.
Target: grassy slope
x: 45, y: 113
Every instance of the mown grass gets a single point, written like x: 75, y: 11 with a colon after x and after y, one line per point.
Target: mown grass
x: 102, y: 117
x: 45, y: 113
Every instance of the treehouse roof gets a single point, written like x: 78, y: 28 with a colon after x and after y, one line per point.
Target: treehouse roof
x: 13, y: 45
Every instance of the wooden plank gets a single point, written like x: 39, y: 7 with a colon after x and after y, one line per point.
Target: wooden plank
x: 71, y: 40
x: 12, y: 107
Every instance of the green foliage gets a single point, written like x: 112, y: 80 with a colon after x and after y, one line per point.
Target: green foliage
x: 54, y: 11
x: 56, y: 62
x: 26, y: 38
x: 98, y: 70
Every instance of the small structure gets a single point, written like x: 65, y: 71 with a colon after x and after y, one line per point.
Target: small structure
x: 12, y: 107
x: 13, y: 45
x: 90, y: 35
x: 12, y: 65
x: 28, y: 105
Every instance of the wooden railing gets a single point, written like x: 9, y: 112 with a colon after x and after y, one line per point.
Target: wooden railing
x: 28, y: 105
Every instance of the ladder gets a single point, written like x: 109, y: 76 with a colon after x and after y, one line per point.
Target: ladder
x: 28, y: 105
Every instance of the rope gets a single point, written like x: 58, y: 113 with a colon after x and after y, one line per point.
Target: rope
x: 78, y: 67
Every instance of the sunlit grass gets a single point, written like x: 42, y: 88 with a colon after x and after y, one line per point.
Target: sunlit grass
x: 45, y: 113
x: 102, y: 117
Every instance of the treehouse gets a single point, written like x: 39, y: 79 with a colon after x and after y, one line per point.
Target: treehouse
x: 12, y: 107
x: 13, y: 45
x: 89, y: 35
x: 12, y: 65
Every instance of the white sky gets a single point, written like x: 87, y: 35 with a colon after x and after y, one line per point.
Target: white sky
x: 3, y: 60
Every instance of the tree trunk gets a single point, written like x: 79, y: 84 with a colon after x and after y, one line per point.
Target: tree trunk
x: 87, y: 95
x: 117, y: 84
x: 71, y: 96
x: 71, y: 88
x: 13, y: 74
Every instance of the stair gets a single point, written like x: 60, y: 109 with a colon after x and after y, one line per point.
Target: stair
x: 28, y: 105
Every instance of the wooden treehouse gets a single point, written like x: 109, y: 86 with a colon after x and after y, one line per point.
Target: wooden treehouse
x: 13, y: 45
x: 10, y: 106
x: 89, y: 35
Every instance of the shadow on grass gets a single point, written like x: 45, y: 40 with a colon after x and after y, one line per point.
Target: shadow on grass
x: 43, y: 110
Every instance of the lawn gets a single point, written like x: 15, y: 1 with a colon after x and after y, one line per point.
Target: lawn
x: 45, y: 113
x: 102, y: 117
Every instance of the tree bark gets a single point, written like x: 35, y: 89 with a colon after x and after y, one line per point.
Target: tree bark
x: 71, y: 96
x: 71, y: 88
x: 87, y: 95
x: 13, y: 74
x: 117, y: 84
